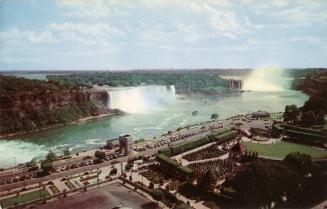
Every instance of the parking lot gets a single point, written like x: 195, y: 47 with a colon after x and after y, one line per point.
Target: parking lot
x: 108, y: 197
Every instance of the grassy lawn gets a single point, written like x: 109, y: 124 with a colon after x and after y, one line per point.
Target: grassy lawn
x: 281, y: 149
x: 27, y: 197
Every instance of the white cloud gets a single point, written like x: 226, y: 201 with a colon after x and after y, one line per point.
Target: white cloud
x: 224, y: 22
x: 289, y: 40
x: 96, y: 8
x: 281, y: 3
x: 97, y: 29
x: 89, y: 34
x: 15, y: 35
x: 219, y: 17
x: 303, y: 15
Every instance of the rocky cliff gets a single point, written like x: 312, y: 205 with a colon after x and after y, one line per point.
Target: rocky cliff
x: 27, y: 105
x: 313, y: 83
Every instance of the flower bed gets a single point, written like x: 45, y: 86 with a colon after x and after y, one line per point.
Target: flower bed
x: 70, y: 185
x: 154, y: 174
x: 88, y: 178
x: 206, y: 153
x: 54, y: 189
x: 218, y: 168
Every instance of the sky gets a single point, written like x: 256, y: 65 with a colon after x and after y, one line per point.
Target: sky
x: 162, y: 34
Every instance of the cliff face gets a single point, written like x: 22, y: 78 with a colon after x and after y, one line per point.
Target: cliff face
x: 28, y: 101
x: 27, y: 105
x: 314, y: 85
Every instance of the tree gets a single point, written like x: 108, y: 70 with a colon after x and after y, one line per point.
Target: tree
x: 51, y: 156
x: 128, y: 166
x: 151, y: 185
x: 315, y: 104
x: 308, y: 118
x: 214, y: 116
x: 291, y: 112
x: 66, y: 152
x: 157, y: 194
x: 264, y: 182
x: 300, y: 162
x: 321, y: 117
x: 206, y: 182
x: 113, y: 172
x: 46, y: 166
x: 33, y: 161
x: 100, y: 155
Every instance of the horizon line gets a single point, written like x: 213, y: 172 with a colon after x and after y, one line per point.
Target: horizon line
x: 152, y: 69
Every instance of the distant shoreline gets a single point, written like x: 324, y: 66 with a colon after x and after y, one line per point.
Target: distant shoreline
x: 78, y: 121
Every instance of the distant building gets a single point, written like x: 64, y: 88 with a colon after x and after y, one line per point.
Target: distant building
x: 109, y: 144
x: 125, y: 144
x: 260, y: 115
x: 236, y: 152
x: 246, y: 133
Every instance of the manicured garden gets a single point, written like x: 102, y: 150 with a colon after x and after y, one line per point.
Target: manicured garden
x: 70, y: 185
x: 54, y: 189
x: 155, y: 174
x: 281, y: 149
x: 209, y: 152
x: 23, y: 198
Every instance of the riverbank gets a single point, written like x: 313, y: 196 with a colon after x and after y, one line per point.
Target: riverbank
x: 112, y: 113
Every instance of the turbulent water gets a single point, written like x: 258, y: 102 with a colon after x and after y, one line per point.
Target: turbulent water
x: 152, y: 111
x: 142, y: 98
x: 267, y: 79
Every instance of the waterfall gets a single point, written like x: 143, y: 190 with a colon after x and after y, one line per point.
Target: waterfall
x: 267, y: 79
x: 141, y: 98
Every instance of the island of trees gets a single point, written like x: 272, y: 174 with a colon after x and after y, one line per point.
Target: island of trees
x: 185, y: 81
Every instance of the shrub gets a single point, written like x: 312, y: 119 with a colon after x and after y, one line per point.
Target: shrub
x: 113, y: 172
x: 100, y: 155
x: 129, y: 166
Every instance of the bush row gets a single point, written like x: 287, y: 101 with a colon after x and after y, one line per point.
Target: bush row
x: 163, y: 159
x: 219, y: 137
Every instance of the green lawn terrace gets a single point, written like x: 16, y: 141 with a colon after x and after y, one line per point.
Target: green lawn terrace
x: 281, y: 149
x: 24, y: 198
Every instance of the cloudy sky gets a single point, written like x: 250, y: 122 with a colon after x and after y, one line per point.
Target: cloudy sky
x: 145, y: 34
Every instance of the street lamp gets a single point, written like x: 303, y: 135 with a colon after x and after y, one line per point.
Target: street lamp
x: 15, y: 164
x: 98, y: 177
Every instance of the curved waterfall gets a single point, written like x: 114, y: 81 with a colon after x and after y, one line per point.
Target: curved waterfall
x: 267, y: 79
x: 141, y: 98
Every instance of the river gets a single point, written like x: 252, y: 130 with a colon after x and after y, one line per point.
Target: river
x: 158, y: 118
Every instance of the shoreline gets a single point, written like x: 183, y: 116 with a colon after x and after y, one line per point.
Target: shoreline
x: 90, y: 150
x: 78, y: 121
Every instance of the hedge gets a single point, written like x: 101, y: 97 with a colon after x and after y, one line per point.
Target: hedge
x: 219, y: 137
x: 303, y: 135
x: 304, y: 130
x: 161, y: 158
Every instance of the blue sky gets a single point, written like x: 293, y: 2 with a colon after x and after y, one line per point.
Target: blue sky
x: 146, y: 34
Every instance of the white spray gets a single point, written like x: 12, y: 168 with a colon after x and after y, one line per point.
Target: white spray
x: 267, y: 79
x: 142, y: 98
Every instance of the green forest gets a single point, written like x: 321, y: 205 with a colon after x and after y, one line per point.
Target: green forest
x: 184, y: 80
x: 27, y: 105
